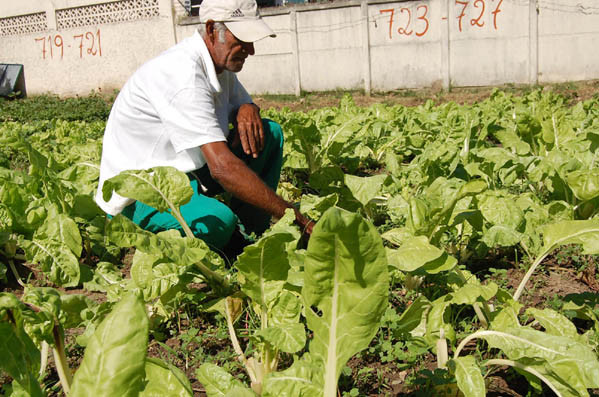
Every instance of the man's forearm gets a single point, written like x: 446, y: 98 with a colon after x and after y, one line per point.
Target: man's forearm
x: 239, y: 180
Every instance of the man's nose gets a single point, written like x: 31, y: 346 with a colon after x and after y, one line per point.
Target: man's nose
x: 249, y: 48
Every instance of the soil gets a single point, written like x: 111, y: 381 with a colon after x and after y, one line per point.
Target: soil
x: 572, y: 91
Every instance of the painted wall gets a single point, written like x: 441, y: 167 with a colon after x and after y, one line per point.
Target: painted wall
x: 72, y: 47
x: 376, y: 45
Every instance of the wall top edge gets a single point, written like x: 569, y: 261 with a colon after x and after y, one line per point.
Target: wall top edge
x: 283, y: 10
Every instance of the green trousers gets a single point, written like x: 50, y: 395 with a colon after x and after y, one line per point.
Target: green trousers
x: 210, y: 219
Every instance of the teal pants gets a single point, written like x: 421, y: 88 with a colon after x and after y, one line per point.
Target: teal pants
x: 210, y: 219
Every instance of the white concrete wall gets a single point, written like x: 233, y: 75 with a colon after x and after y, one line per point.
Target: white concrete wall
x: 378, y: 45
x: 95, y: 54
x: 568, y: 40
x: 385, y: 45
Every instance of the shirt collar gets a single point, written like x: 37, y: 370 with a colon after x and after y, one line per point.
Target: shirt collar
x: 197, y: 42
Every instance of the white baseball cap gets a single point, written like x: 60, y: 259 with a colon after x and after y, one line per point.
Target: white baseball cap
x: 241, y: 17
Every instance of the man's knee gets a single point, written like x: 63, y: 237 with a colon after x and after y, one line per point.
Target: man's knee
x: 273, y: 132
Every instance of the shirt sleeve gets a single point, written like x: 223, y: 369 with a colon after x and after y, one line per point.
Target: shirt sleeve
x: 190, y: 119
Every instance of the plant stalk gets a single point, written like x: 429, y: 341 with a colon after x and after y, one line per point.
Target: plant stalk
x: 11, y: 263
x: 211, y: 276
x: 236, y: 345
x: 44, y: 361
x: 442, y: 355
x: 60, y: 358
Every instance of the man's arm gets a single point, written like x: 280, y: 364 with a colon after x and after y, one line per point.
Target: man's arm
x: 238, y: 179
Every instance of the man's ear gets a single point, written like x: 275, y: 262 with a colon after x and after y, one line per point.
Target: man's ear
x: 210, y: 31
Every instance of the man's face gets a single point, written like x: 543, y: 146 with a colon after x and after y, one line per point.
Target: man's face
x: 231, y: 54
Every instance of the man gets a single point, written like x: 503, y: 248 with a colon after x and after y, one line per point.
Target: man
x: 175, y: 111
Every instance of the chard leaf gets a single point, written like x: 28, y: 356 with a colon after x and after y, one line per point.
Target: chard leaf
x: 219, y: 382
x: 302, y: 379
x: 56, y: 260
x: 469, y: 377
x: 314, y: 206
x: 288, y: 338
x: 584, y: 184
x: 438, y: 318
x: 20, y: 357
x: 574, y: 362
x: 264, y: 267
x: 364, y: 189
x: 286, y: 309
x: 104, y: 276
x: 499, y: 210
x: 418, y: 254
x: 501, y: 236
x: 62, y: 229
x: 346, y: 280
x: 397, y: 236
x: 114, y: 360
x: 154, y: 277
x: 414, y: 316
x: 165, y: 380
x: 573, y: 232
x: 162, y: 188
x: 184, y: 250
x: 470, y: 293
x: 554, y: 323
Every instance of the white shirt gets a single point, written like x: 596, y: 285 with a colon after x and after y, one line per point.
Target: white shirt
x: 171, y: 105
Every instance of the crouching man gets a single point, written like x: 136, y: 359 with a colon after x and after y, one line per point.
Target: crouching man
x: 175, y: 111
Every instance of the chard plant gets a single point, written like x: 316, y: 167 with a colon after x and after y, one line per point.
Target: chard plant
x: 344, y: 295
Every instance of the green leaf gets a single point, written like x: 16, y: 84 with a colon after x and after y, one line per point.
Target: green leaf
x: 397, y: 236
x: 302, y: 379
x: 218, y: 382
x: 576, y: 363
x: 437, y: 318
x: 501, y: 211
x: 286, y: 309
x: 114, y: 360
x: 20, y: 357
x: 418, y: 254
x: 470, y: 293
x: 154, y: 277
x: 288, y: 338
x: 469, y: 377
x: 61, y: 229
x: 264, y: 267
x: 56, y: 260
x: 346, y: 280
x: 71, y: 308
x: 554, y: 323
x: 364, y: 189
x: 165, y: 380
x: 314, y: 206
x: 159, y: 187
x: 104, y: 276
x: 414, y: 316
x: 584, y: 184
x: 573, y: 232
x: 501, y: 236
x: 183, y: 250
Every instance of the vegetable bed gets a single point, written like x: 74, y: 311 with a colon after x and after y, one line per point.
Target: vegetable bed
x: 455, y: 253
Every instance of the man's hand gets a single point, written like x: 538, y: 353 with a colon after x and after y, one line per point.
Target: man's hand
x: 306, y: 224
x: 249, y: 130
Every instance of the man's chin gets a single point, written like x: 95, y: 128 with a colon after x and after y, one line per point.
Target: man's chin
x: 236, y: 67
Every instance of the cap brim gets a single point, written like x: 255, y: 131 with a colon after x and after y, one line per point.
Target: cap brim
x: 250, y: 31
